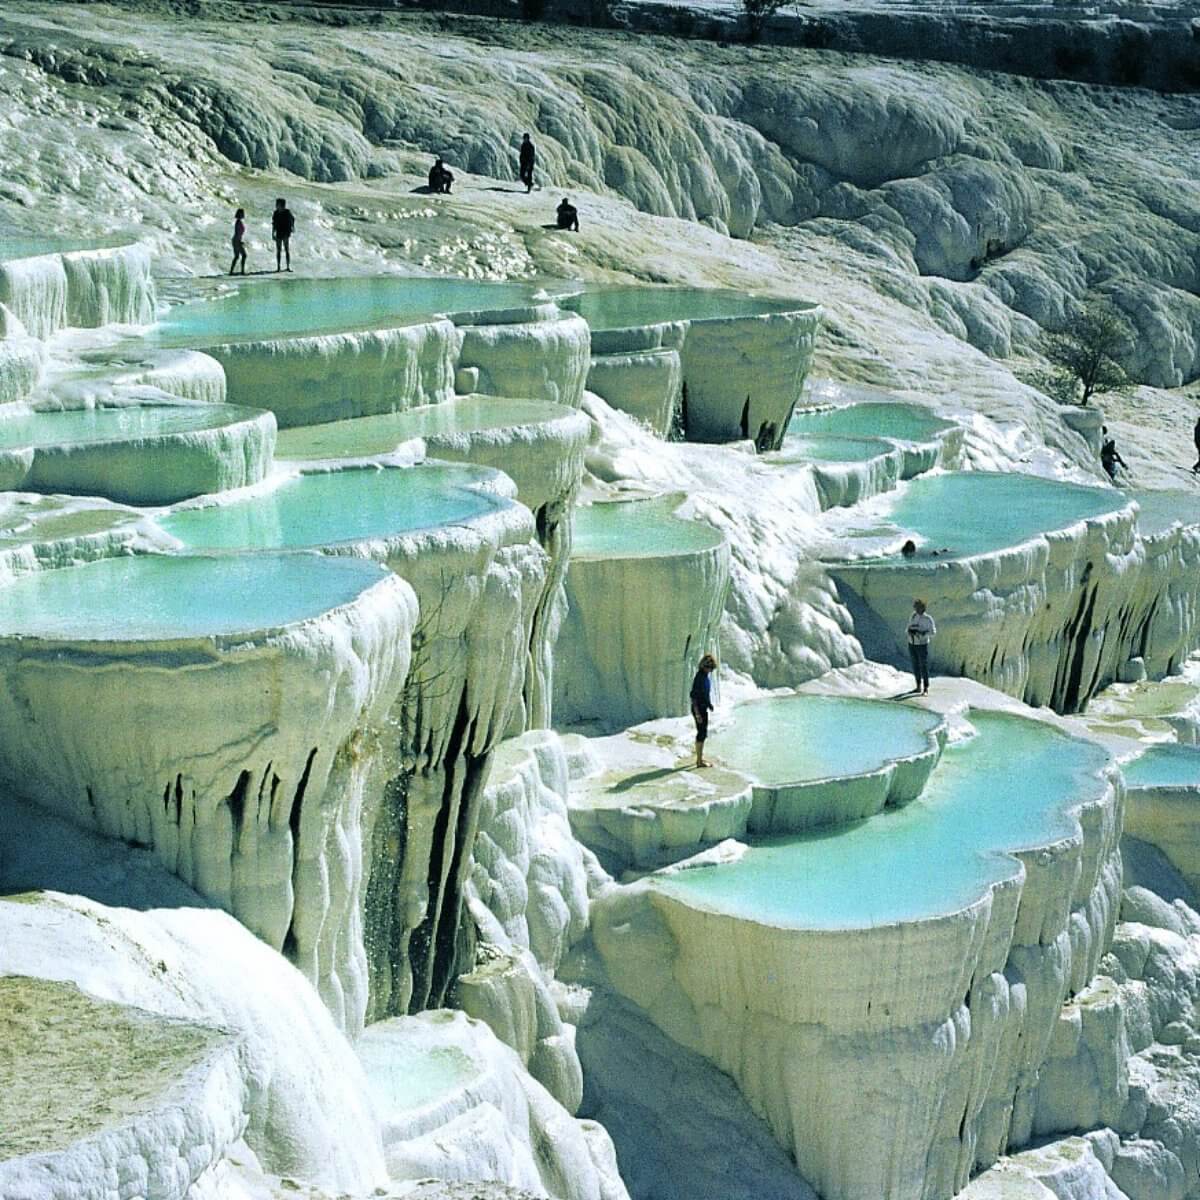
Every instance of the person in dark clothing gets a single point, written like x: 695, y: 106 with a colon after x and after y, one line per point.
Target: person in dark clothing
x: 526, y: 160
x: 239, y: 240
x: 702, y: 704
x: 1196, y: 439
x: 282, y: 224
x: 920, y: 631
x: 440, y: 178
x: 567, y: 216
x: 1110, y: 456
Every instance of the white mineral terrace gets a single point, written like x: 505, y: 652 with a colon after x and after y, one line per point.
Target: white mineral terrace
x: 354, y: 838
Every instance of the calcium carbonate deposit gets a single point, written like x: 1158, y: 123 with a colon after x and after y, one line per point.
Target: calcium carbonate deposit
x: 462, y: 733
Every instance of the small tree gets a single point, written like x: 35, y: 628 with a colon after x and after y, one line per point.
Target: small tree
x: 1082, y: 355
x: 758, y: 13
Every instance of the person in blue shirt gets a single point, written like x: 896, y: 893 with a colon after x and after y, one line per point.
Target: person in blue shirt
x: 702, y: 704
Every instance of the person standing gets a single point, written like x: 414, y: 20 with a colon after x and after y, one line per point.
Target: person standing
x: 1110, y: 455
x: 921, y: 631
x: 239, y: 240
x: 1196, y: 439
x: 528, y: 156
x: 702, y: 704
x: 282, y: 224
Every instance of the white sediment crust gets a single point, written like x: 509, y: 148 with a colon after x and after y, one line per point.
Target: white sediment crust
x: 243, y: 761
x: 155, y: 469
x: 541, y: 359
x: 22, y: 358
x: 942, y: 1023
x: 646, y: 384
x: 84, y: 289
x: 168, y: 1122
x: 330, y: 377
x: 1052, y: 620
x: 489, y: 1121
x: 844, y: 484
x: 634, y: 631
x: 301, y: 1096
x: 1169, y: 818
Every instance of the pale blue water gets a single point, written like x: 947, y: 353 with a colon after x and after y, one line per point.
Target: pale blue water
x: 1158, y: 511
x: 1008, y: 788
x: 381, y: 434
x: 795, y: 739
x: 337, y: 506
x: 638, y: 529
x: 1164, y: 766
x: 623, y: 307
x: 977, y: 512
x: 164, y: 597
x: 280, y: 307
x: 403, y: 1077
x: 908, y: 422
x: 114, y: 424
x: 832, y: 449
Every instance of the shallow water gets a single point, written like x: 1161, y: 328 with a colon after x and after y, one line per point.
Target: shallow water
x: 22, y: 245
x: 114, y: 424
x: 978, y: 512
x: 336, y: 506
x: 401, y: 1078
x: 831, y: 448
x: 280, y: 307
x: 381, y: 434
x: 152, y: 597
x: 908, y: 422
x: 793, y: 739
x: 1158, y: 511
x: 623, y: 307
x: 638, y: 529
x: 1164, y: 766
x: 1007, y: 788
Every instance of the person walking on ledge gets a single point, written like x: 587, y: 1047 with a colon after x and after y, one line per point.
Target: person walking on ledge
x: 282, y: 224
x: 567, y: 216
x: 239, y: 240
x: 525, y: 162
x: 921, y: 630
x: 702, y: 704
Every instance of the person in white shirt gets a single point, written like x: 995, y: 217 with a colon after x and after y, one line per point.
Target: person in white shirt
x: 921, y: 630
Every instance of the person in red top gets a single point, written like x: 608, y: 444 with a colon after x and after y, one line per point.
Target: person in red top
x: 239, y: 240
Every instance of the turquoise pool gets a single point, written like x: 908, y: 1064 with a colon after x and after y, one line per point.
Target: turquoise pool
x: 979, y: 512
x: 1158, y: 511
x: 333, y: 507
x: 43, y: 429
x: 1165, y: 766
x: 905, y: 422
x: 166, y: 597
x: 624, y: 307
x: 638, y: 529
x: 830, y: 448
x: 1010, y: 787
x: 279, y: 307
x: 381, y: 434
x: 796, y: 739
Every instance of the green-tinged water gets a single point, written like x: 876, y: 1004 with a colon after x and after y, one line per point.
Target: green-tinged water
x: 1158, y: 511
x: 1008, y: 788
x: 165, y: 597
x: 794, y: 739
x: 638, y: 529
x: 832, y: 449
x: 907, y: 422
x: 978, y: 512
x: 282, y: 307
x: 333, y: 507
x: 381, y: 434
x: 114, y: 424
x: 23, y: 245
x: 1164, y: 766
x: 623, y: 307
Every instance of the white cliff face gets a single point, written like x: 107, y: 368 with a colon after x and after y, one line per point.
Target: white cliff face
x: 970, y: 1025
x: 82, y: 289
x: 246, y: 768
x: 455, y: 1103
x: 296, y: 1094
